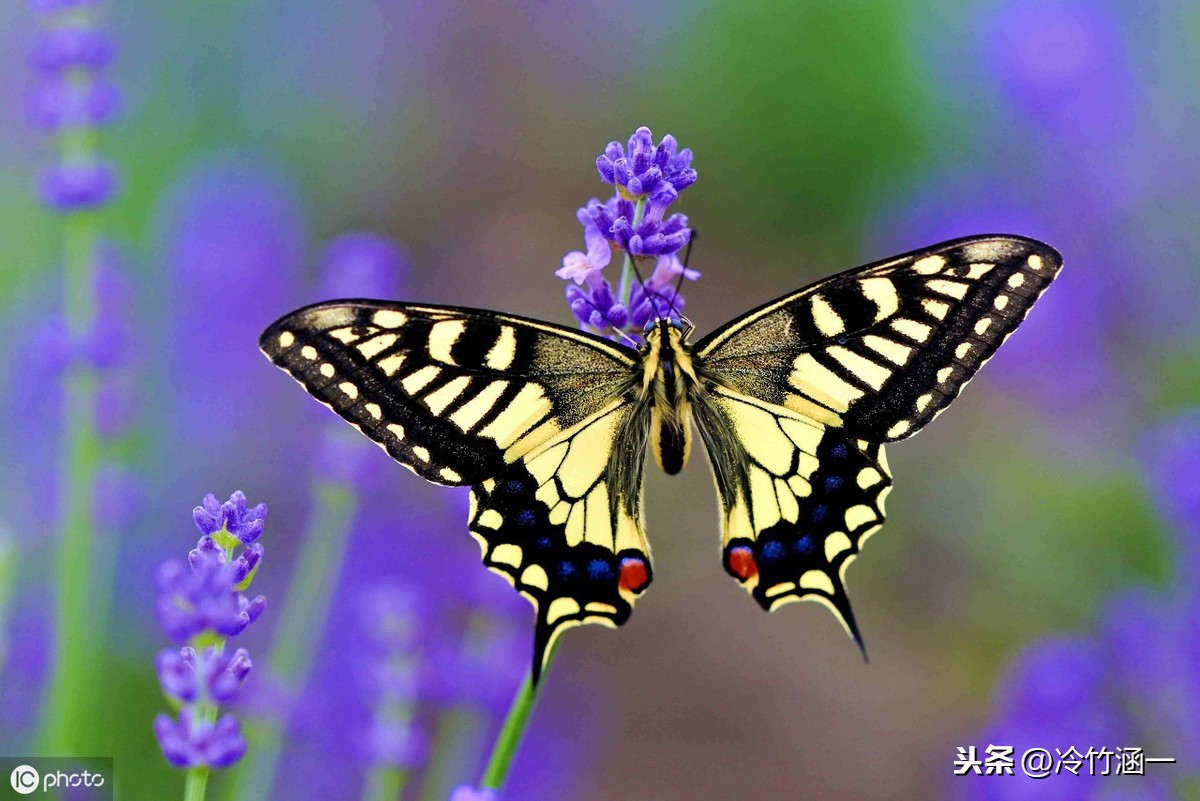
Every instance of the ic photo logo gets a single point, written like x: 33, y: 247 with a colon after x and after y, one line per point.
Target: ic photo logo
x: 55, y: 774
x: 24, y: 779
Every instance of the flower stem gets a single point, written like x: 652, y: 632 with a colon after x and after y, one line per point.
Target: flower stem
x: 384, y: 783
x: 512, y: 732
x: 301, y: 624
x: 625, y: 287
x: 196, y: 784
x: 65, y: 712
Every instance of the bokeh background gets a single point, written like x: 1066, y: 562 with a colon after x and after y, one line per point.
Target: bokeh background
x: 1035, y: 584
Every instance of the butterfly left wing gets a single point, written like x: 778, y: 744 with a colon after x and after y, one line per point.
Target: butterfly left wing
x: 798, y: 499
x: 563, y: 524
x: 538, y: 419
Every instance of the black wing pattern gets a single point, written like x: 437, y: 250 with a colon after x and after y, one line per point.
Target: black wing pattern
x: 880, y: 350
x: 529, y: 414
x: 804, y: 391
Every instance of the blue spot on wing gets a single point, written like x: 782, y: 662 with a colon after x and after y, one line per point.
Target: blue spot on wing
x: 772, y: 551
x: 600, y: 570
x: 526, y: 517
x: 833, y: 483
x: 804, y: 545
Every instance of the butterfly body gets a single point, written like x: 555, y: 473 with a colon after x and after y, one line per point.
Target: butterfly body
x: 549, y: 426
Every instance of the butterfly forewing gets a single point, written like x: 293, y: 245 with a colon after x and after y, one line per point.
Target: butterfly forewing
x: 881, y: 349
x: 453, y: 394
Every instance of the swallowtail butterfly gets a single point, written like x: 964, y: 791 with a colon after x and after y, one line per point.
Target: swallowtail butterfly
x: 549, y: 426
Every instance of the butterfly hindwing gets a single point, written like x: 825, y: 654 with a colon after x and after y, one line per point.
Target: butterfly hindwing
x: 563, y: 525
x: 880, y: 350
x: 453, y: 394
x: 798, y: 499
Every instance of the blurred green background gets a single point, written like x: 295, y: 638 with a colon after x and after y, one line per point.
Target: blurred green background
x: 825, y: 135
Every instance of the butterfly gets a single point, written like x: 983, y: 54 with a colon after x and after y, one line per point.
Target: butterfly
x: 549, y: 426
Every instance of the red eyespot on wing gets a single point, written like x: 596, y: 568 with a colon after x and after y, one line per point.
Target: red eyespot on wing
x: 741, y: 562
x: 633, y: 574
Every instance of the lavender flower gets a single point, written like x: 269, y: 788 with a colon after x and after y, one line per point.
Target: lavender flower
x: 201, y: 605
x: 232, y: 516
x: 646, y: 167
x: 192, y: 742
x: 648, y: 180
x: 391, y: 616
x: 70, y: 96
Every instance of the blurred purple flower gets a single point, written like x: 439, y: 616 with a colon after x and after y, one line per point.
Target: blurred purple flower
x: 217, y: 676
x: 1062, y: 62
x: 391, y: 617
x: 203, y: 599
x: 71, y: 46
x: 466, y: 792
x: 78, y: 185
x: 233, y: 240
x: 82, y: 99
x: 362, y: 265
x: 660, y: 298
x: 1170, y: 456
x: 191, y: 742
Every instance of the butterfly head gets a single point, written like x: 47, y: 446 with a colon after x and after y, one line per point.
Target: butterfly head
x: 668, y: 329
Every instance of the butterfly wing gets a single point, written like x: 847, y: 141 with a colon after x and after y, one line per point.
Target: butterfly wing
x: 563, y: 524
x: 882, y: 349
x: 531, y: 415
x: 453, y: 394
x: 798, y: 499
x: 805, y: 390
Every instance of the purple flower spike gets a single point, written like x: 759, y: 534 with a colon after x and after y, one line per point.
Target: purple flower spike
x: 177, y: 673
x: 645, y: 168
x: 56, y: 103
x: 397, y: 743
x: 467, y: 793
x: 208, y: 516
x: 203, y: 598
x: 192, y: 743
x: 71, y: 47
x: 232, y: 516
x: 76, y: 186
x: 224, y: 674
x: 648, y: 179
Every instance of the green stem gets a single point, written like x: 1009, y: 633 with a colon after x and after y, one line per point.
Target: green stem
x: 196, y: 784
x: 511, y: 734
x: 70, y: 699
x: 625, y: 287
x: 302, y: 621
x: 384, y: 783
x: 456, y: 742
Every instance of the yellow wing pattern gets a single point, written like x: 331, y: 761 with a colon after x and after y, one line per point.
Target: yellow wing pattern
x: 563, y: 525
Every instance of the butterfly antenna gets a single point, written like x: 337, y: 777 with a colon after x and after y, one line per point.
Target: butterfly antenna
x: 687, y: 255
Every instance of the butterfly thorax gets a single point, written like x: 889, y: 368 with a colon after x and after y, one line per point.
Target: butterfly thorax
x: 668, y: 377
